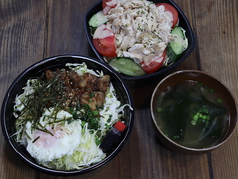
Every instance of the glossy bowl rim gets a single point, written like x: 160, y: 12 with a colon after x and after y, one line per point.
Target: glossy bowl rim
x: 39, y: 167
x: 159, y: 72
x: 184, y: 148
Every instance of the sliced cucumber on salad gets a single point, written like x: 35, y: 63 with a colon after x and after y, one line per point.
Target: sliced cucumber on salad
x: 104, y: 42
x: 126, y: 66
x: 96, y: 20
x: 180, y: 43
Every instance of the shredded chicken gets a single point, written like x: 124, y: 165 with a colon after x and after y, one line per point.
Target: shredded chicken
x: 142, y: 30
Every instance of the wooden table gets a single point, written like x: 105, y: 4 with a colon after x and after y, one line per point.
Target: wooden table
x: 31, y: 30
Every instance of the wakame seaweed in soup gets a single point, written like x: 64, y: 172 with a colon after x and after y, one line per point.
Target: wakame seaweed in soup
x: 192, y: 115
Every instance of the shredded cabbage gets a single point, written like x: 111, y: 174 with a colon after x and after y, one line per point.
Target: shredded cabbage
x: 87, y: 151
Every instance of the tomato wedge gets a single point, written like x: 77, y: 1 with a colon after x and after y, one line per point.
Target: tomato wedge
x: 104, y: 41
x: 172, y: 10
x: 154, y: 65
x: 107, y: 5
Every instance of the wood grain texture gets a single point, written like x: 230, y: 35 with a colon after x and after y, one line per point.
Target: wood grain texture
x: 217, y: 27
x: 31, y: 30
x: 22, y: 41
x: 65, y: 25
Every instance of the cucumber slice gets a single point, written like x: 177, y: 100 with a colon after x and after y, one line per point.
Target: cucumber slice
x: 126, y: 66
x: 171, y: 54
x: 180, y: 43
x: 176, y: 47
x: 178, y: 31
x: 97, y: 19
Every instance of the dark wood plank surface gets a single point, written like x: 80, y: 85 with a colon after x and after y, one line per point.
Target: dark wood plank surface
x: 31, y: 30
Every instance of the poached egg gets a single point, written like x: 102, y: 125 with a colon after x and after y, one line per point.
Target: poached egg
x: 58, y: 140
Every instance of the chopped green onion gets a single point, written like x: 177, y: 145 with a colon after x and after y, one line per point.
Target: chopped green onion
x: 95, y: 113
x: 159, y: 109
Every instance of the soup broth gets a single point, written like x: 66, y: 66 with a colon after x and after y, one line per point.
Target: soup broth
x: 192, y: 115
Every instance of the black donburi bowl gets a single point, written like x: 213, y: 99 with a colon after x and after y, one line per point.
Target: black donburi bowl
x: 183, y: 22
x: 8, y: 120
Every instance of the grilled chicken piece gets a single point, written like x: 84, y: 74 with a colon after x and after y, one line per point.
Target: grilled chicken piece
x: 87, y: 89
x: 92, y: 82
x: 94, y: 100
x: 49, y: 75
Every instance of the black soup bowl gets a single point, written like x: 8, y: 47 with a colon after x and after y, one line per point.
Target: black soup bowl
x: 183, y: 22
x: 53, y: 63
x: 193, y: 112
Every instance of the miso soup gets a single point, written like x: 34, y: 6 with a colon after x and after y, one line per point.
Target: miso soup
x: 192, y: 115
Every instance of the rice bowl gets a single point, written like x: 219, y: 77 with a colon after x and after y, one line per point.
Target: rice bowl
x: 29, y: 147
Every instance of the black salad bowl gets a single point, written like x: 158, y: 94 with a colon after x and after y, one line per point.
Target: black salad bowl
x: 183, y: 22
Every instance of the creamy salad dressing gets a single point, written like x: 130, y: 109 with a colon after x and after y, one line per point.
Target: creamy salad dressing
x: 101, y: 33
x: 110, y: 4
